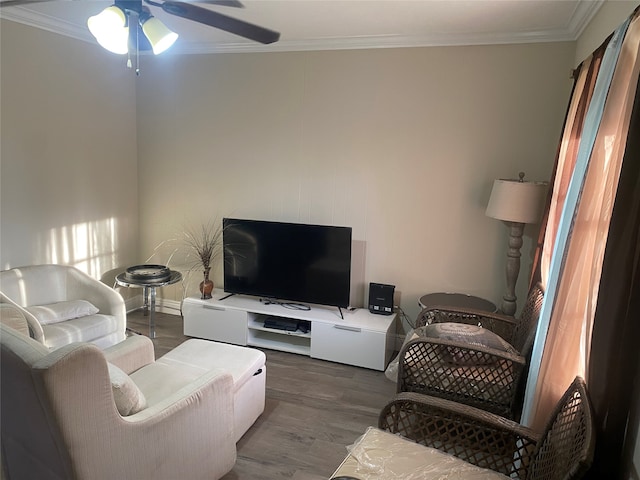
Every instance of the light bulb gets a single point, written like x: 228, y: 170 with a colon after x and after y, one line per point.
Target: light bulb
x: 110, y: 29
x: 160, y: 37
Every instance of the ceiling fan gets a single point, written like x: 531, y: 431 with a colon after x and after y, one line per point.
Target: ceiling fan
x: 113, y: 26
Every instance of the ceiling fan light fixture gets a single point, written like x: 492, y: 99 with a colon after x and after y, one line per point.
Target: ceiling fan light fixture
x: 160, y: 37
x: 110, y: 29
x: 117, y: 42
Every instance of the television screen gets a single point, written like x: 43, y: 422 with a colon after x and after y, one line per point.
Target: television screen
x: 287, y: 261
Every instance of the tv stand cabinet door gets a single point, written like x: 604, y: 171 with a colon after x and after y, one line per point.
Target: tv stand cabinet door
x: 214, y: 322
x: 349, y: 345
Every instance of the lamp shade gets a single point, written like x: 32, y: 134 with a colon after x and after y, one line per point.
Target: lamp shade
x: 110, y: 29
x: 158, y: 34
x: 516, y: 201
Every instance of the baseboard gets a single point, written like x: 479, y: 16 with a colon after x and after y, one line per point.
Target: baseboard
x: 133, y: 303
x: 172, y: 307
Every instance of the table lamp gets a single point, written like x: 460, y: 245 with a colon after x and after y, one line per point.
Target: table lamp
x: 515, y: 202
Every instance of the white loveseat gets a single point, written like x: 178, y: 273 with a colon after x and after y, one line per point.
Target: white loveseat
x: 64, y: 305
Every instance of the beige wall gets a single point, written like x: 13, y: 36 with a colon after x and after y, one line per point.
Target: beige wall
x: 400, y: 144
x: 68, y: 153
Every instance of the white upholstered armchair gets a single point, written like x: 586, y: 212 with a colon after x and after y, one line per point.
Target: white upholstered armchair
x: 64, y: 305
x: 76, y: 413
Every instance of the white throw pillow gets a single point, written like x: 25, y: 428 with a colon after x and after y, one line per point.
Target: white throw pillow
x: 128, y: 397
x: 61, y: 311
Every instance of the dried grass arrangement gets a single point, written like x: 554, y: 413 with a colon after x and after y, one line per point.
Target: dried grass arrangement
x: 205, y: 244
x: 194, y: 249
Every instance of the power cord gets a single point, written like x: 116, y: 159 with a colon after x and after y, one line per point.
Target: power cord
x: 291, y: 306
x: 405, y: 317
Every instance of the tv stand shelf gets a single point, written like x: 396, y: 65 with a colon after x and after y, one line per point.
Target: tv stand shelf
x: 360, y: 338
x: 260, y: 336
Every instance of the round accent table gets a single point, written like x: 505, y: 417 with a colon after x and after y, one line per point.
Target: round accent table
x: 459, y: 300
x: 149, y: 286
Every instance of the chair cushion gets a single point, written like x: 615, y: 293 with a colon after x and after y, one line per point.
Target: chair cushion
x: 128, y: 397
x: 62, y: 311
x: 204, y: 355
x: 83, y: 329
x: 160, y: 380
x: 466, y: 334
x: 192, y: 359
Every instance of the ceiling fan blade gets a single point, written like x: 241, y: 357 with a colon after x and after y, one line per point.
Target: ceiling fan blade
x: 223, y: 3
x: 17, y: 3
x: 223, y: 22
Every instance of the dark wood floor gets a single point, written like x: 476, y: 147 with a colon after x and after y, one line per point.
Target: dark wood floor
x: 314, y: 409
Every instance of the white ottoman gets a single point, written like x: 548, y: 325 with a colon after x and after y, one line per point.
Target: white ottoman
x: 246, y: 366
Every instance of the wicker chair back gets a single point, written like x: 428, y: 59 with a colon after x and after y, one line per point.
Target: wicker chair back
x: 563, y: 451
x: 566, y: 448
x: 524, y: 332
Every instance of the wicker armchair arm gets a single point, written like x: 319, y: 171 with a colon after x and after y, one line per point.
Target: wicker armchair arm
x: 476, y: 436
x: 474, y: 375
x: 502, y: 325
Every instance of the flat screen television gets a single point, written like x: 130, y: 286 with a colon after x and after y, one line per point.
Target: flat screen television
x: 287, y: 261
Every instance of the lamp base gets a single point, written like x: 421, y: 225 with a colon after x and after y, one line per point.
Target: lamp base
x: 509, y: 304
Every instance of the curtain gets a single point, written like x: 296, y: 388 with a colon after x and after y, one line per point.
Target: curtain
x: 614, y: 364
x: 583, y: 91
x: 578, y: 221
x: 565, y: 161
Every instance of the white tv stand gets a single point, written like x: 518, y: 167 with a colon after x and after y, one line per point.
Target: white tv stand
x: 360, y: 338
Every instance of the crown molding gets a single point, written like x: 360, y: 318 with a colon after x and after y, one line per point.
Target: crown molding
x: 373, y: 42
x: 583, y: 14
x: 45, y: 22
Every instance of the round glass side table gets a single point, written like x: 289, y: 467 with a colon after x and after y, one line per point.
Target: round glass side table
x: 149, y: 290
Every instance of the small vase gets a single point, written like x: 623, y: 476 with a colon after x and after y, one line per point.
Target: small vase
x: 206, y: 286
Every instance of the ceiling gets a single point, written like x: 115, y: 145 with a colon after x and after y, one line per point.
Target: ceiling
x: 345, y: 24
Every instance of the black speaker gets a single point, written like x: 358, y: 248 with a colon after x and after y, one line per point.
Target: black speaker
x: 381, y: 298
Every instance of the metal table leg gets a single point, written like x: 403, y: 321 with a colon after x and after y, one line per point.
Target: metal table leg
x: 152, y: 311
x: 149, y: 308
x: 145, y: 300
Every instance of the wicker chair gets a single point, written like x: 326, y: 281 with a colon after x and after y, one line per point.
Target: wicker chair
x: 479, y: 376
x: 564, y: 450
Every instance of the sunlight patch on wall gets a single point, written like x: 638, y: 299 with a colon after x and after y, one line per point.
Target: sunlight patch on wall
x: 90, y: 246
